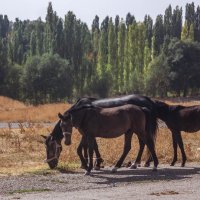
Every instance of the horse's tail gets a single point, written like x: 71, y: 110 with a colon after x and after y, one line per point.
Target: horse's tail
x: 151, y: 129
x: 151, y: 125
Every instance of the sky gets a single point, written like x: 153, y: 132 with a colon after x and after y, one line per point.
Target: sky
x: 85, y: 10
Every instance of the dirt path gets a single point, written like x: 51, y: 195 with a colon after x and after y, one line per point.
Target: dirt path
x: 166, y: 183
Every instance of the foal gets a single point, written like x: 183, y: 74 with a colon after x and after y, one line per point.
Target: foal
x: 179, y: 118
x: 113, y: 122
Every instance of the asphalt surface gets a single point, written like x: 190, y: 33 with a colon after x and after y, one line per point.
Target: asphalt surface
x: 167, y: 183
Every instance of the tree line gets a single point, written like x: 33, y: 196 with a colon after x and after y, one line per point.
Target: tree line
x: 59, y: 59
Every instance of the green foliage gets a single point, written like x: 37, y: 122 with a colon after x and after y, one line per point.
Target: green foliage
x: 57, y: 59
x: 156, y: 79
x: 13, y: 85
x: 184, y: 61
x: 101, y: 86
x: 47, y: 79
x: 177, y: 22
x: 158, y: 34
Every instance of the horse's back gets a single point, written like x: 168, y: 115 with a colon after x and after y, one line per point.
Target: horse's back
x: 131, y: 114
x: 113, y: 122
x: 184, y: 118
x: 128, y: 99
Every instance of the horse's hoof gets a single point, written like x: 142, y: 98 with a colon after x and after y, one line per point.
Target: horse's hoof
x: 155, y: 169
x: 147, y: 165
x: 97, y: 168
x: 182, y: 165
x: 133, y: 166
x: 139, y: 165
x: 128, y: 164
x: 87, y: 173
x: 84, y: 167
x: 114, y: 169
x: 172, y: 164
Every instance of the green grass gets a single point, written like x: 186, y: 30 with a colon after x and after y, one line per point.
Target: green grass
x: 29, y: 191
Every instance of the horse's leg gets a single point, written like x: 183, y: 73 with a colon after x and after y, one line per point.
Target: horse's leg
x: 127, y: 148
x: 80, y: 154
x: 151, y: 147
x: 85, y: 151
x: 90, y: 141
x: 174, y: 147
x: 181, y: 146
x: 139, y: 156
x: 147, y: 163
x: 99, y: 160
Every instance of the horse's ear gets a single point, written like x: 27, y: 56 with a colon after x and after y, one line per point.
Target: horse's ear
x: 60, y: 116
x: 45, y: 137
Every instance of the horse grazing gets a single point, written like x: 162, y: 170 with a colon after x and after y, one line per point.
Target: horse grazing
x: 179, y: 118
x: 54, y: 147
x: 134, y: 99
x: 92, y: 122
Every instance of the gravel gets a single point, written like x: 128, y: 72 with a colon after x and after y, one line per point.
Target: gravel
x: 167, y: 183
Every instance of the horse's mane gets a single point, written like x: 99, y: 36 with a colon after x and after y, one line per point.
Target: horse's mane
x: 81, y: 102
x: 176, y: 107
x: 57, y: 131
x: 82, y: 107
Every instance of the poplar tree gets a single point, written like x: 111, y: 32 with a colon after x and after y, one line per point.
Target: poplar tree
x: 39, y: 36
x: 197, y: 25
x: 148, y: 22
x: 168, y: 22
x: 158, y: 34
x: 121, y: 45
x: 177, y: 22
x: 33, y: 44
x: 112, y: 49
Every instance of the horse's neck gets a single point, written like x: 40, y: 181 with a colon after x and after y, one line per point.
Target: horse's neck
x: 163, y: 112
x: 57, y: 131
x: 78, y: 117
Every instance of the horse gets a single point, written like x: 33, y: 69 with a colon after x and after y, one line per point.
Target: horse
x: 179, y: 118
x: 93, y: 121
x: 54, y: 148
x: 134, y: 99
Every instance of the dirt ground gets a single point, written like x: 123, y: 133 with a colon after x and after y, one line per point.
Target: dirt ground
x: 167, y: 183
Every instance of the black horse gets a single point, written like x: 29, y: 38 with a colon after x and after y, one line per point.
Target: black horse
x: 138, y: 100
x: 92, y: 122
x: 179, y: 118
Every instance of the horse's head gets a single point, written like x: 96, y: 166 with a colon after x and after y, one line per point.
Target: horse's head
x: 66, y: 126
x: 53, y: 150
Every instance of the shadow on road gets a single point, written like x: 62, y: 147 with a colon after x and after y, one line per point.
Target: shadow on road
x: 144, y: 174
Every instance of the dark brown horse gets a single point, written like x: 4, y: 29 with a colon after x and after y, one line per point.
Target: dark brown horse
x: 134, y: 99
x: 179, y: 118
x: 53, y: 146
x: 95, y: 122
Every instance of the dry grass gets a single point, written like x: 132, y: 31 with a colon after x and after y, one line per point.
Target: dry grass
x: 17, y: 111
x: 21, y: 149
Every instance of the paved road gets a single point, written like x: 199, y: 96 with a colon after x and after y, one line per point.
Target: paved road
x: 142, y: 184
